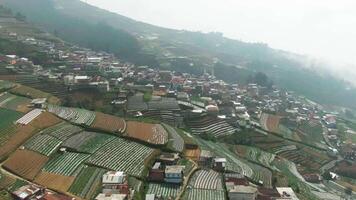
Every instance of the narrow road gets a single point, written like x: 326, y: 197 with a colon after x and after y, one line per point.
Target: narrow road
x: 186, y: 181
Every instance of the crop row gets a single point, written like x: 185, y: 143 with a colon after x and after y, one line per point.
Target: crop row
x: 86, y: 181
x: 87, y: 142
x: 206, y: 179
x: 122, y: 155
x: 164, y: 190
x: 201, y: 194
x: 75, y: 115
x: 62, y: 131
x: 43, y: 144
x: 65, y: 163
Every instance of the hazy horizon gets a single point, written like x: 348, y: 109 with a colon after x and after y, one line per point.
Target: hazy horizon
x: 322, y: 29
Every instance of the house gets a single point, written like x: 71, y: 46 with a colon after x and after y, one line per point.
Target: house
x: 174, y: 174
x: 287, y: 193
x: 102, y: 196
x: 267, y: 194
x: 205, y: 158
x: 219, y: 164
x: 241, y: 192
x: 28, y: 192
x: 169, y: 158
x: 115, y: 182
x: 38, y: 103
x: 312, y: 178
x: 236, y: 179
x: 156, y: 173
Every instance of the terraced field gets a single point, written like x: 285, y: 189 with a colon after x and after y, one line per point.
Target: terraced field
x: 55, y: 181
x: 74, y: 115
x: 87, y: 182
x: 270, y: 122
x: 20, y: 134
x: 201, y: 194
x: 32, y: 93
x: 62, y: 130
x: 122, y: 155
x: 236, y: 164
x: 25, y: 163
x: 256, y: 155
x: 212, y: 125
x: 8, y: 117
x: 87, y: 142
x: 13, y: 102
x: 206, y: 179
x: 205, y: 185
x: 150, y: 133
x: 176, y: 140
x: 66, y: 163
x: 5, y: 85
x: 109, y: 123
x: 164, y: 190
x: 43, y: 144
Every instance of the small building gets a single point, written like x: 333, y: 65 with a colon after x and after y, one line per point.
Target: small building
x: 241, y: 192
x: 174, y: 174
x: 103, y: 196
x: 169, y: 158
x: 287, y: 193
x: 115, y: 182
x: 236, y: 179
x: 219, y: 164
x: 205, y: 158
x: 39, y: 103
x: 28, y: 192
x: 156, y: 173
x: 312, y: 178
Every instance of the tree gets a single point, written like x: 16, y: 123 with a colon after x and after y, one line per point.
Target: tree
x: 20, y: 17
x: 327, y: 176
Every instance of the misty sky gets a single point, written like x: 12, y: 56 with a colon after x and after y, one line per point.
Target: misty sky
x: 322, y: 28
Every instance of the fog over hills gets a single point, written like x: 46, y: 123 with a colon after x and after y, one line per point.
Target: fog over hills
x: 320, y: 29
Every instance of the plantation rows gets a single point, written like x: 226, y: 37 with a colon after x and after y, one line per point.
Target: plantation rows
x: 87, y: 142
x: 6, y: 132
x: 178, y: 142
x: 87, y: 182
x: 201, y: 194
x: 66, y: 163
x: 13, y: 102
x: 122, y: 155
x: 136, y: 103
x: 43, y: 144
x: 62, y: 131
x: 259, y: 156
x: 206, y: 179
x: 214, y: 126
x: 75, y: 115
x: 164, y: 190
x: 5, y: 85
x: 280, y: 149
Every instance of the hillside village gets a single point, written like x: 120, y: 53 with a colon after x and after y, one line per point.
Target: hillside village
x: 164, y: 135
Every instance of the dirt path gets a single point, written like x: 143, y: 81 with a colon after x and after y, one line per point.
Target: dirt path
x: 186, y: 181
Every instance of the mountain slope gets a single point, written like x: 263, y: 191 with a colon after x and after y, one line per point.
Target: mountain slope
x: 232, y: 60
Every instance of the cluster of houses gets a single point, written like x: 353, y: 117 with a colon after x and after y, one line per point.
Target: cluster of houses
x: 35, y: 192
x: 114, y: 186
x: 166, y: 170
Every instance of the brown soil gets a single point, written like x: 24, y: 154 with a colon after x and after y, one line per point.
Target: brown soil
x: 25, y: 163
